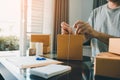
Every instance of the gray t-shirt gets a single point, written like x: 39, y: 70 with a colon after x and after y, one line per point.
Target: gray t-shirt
x: 107, y: 21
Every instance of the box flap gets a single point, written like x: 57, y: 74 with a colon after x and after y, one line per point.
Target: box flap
x: 107, y: 55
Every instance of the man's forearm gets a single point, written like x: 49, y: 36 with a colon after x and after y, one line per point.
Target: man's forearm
x: 103, y: 37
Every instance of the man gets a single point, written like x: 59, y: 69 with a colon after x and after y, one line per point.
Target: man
x: 103, y: 23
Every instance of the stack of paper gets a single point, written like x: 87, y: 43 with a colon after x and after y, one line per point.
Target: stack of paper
x: 30, y: 61
x: 50, y: 70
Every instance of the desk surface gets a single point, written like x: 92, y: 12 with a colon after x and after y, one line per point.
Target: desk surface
x: 5, y: 74
x: 81, y: 70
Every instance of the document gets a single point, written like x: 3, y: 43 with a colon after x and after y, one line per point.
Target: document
x: 31, y: 61
x: 50, y: 70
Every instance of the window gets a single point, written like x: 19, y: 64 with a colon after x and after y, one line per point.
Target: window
x: 38, y: 19
x: 35, y: 16
x: 9, y: 25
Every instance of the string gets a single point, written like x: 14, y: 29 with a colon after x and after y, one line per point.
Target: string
x: 68, y: 55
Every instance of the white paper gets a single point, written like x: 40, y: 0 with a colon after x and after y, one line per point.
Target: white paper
x: 87, y: 51
x: 30, y: 61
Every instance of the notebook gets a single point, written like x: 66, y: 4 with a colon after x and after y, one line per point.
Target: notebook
x: 50, y: 70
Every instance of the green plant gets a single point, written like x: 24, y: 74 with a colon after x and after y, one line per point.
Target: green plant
x: 9, y: 43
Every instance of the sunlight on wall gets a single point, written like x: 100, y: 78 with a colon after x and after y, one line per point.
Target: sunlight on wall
x: 9, y: 17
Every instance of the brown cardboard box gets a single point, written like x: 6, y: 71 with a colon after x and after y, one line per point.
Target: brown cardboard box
x: 46, y: 49
x: 44, y: 38
x: 108, y: 63
x: 32, y: 51
x: 70, y: 47
x: 41, y: 38
x: 114, y: 45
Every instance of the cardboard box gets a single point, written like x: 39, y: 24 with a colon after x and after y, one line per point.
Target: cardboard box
x: 45, y: 39
x: 32, y: 51
x: 70, y: 47
x: 108, y: 63
x: 46, y: 49
x: 114, y: 45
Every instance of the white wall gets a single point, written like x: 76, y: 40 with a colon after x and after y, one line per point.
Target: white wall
x: 79, y: 10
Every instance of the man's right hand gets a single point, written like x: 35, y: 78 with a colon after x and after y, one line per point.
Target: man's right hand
x: 66, y: 29
x: 85, y: 28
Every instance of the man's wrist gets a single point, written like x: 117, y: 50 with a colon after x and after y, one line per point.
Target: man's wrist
x: 95, y: 34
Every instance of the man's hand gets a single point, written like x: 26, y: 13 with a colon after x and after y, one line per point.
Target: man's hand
x: 66, y: 29
x: 84, y: 28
